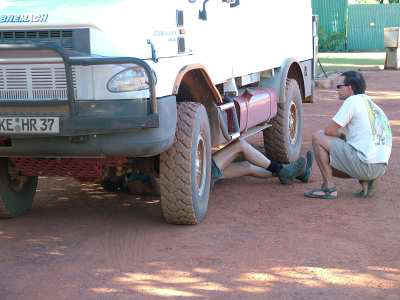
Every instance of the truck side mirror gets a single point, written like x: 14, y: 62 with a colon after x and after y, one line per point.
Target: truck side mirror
x: 203, y: 12
x: 233, y: 3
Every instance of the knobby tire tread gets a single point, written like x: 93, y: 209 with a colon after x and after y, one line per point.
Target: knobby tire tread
x: 175, y: 180
x: 274, y: 138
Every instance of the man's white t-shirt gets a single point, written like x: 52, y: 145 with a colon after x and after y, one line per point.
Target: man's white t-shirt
x: 368, y: 129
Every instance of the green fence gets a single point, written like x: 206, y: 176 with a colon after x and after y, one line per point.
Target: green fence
x: 357, y: 27
x: 332, y: 23
x: 366, y: 25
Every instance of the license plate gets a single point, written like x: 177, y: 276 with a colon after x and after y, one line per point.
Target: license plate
x: 29, y: 125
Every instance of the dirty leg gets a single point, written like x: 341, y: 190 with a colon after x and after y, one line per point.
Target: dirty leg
x: 321, y: 145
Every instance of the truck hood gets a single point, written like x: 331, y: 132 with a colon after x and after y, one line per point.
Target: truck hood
x: 117, y: 27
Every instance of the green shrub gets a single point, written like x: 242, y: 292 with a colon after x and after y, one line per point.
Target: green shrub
x: 331, y: 41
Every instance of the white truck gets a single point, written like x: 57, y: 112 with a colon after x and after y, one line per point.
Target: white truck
x: 101, y: 90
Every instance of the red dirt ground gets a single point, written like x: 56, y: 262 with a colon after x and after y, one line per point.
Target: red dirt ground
x: 260, y: 240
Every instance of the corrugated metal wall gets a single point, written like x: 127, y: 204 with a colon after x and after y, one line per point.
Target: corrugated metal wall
x: 332, y: 19
x: 366, y: 24
x: 332, y: 14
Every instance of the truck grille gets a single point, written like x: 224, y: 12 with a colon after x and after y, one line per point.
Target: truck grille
x: 60, y: 37
x: 34, y: 82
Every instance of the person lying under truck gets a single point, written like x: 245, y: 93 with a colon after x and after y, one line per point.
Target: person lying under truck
x: 257, y: 164
x: 225, y: 165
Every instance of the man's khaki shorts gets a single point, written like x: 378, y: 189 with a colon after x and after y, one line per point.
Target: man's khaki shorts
x: 344, y: 157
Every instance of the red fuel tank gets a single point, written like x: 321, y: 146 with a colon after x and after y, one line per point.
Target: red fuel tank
x: 255, y: 106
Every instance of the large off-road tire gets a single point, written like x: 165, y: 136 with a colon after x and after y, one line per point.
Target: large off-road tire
x: 185, y: 169
x: 16, y: 192
x: 282, y: 141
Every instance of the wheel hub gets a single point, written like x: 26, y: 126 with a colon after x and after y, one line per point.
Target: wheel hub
x: 293, y: 122
x: 200, y: 166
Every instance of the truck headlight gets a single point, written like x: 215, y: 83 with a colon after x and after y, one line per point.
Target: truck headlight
x: 129, y: 80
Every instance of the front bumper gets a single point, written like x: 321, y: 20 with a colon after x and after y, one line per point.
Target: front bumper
x: 122, y: 140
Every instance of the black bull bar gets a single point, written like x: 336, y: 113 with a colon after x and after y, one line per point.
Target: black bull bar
x: 149, y: 121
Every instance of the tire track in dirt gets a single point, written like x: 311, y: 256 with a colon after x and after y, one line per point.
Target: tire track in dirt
x: 124, y: 246
x: 126, y: 235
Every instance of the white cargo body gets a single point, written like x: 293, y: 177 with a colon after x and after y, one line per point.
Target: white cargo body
x: 256, y: 35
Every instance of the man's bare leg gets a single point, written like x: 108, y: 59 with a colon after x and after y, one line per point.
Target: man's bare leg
x: 226, y: 156
x: 244, y: 168
x: 255, y: 164
x: 254, y: 156
x: 364, y: 189
x: 321, y: 145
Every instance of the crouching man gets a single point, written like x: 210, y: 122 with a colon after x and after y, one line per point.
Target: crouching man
x: 356, y: 144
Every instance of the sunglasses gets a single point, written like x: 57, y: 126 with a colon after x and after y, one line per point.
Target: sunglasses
x: 340, y: 85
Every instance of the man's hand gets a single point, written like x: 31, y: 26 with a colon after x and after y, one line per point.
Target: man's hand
x: 335, y: 130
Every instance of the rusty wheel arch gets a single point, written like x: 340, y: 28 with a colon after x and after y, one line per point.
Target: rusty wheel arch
x: 193, y: 84
x: 296, y: 73
x: 199, y: 82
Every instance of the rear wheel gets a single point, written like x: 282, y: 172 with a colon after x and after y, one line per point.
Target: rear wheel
x: 282, y: 141
x: 185, y: 169
x: 16, y: 191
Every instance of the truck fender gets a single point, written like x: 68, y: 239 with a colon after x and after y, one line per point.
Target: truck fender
x: 290, y: 69
x: 198, y: 68
x: 195, y: 79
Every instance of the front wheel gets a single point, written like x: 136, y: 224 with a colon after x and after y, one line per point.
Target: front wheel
x: 282, y: 141
x: 16, y: 191
x: 185, y: 169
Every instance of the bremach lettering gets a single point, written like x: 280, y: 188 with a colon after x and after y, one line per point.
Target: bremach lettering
x: 24, y: 18
x: 17, y: 19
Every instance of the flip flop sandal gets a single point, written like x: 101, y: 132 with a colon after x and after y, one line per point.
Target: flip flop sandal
x: 361, y: 194
x: 322, y: 193
x: 364, y: 191
x: 367, y: 192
